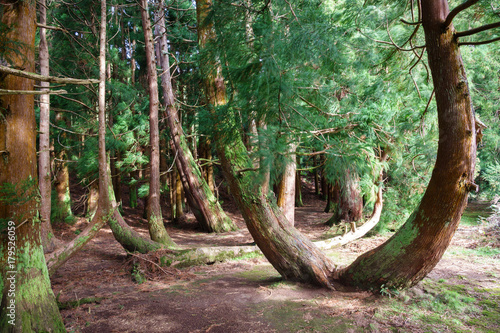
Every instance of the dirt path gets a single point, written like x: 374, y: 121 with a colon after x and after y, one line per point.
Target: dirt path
x: 249, y: 296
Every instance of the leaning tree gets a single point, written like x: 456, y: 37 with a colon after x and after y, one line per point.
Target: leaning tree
x: 415, y: 249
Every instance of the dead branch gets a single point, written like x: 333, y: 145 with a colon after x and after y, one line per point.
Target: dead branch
x: 32, y: 92
x: 38, y: 77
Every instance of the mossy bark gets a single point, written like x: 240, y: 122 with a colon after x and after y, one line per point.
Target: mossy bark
x: 28, y: 303
x: 417, y: 247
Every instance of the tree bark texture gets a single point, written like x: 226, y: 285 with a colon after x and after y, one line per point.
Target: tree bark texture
x: 157, y: 230
x: 201, y: 199
x: 44, y: 174
x: 22, y: 263
x: 286, y: 187
x: 416, y: 248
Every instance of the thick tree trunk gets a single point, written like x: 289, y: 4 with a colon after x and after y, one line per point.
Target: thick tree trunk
x: 350, y: 208
x: 416, y: 248
x: 201, y: 200
x: 292, y: 254
x: 157, y: 230
x: 28, y: 303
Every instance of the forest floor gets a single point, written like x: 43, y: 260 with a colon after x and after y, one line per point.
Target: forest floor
x: 96, y: 292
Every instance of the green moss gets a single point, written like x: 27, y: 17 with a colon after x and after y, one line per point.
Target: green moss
x: 291, y: 316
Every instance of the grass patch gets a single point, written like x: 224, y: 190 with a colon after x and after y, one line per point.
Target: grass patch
x: 436, y: 306
x: 302, y: 316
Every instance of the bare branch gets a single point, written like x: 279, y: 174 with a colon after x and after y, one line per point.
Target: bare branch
x: 38, y: 77
x: 476, y: 30
x: 457, y: 10
x: 51, y: 27
x: 480, y: 43
x: 410, y: 23
x: 32, y: 92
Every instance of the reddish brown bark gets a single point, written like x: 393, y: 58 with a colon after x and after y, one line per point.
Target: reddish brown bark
x: 157, y: 230
x: 416, y: 248
x: 21, y: 250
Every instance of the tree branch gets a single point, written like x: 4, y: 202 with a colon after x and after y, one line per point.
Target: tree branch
x: 480, y: 43
x: 38, y: 77
x: 457, y: 10
x: 31, y: 92
x: 49, y: 27
x: 476, y: 30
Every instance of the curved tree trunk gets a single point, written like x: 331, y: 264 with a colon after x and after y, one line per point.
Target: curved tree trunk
x: 23, y: 270
x: 155, y: 219
x: 201, y: 199
x: 417, y: 247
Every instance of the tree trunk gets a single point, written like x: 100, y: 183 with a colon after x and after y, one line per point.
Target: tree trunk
x: 62, y: 205
x: 298, y: 190
x: 92, y: 199
x: 286, y: 187
x: 105, y: 206
x: 157, y: 230
x: 419, y: 244
x: 23, y: 270
x: 292, y: 254
x: 201, y: 200
x: 44, y: 176
x: 350, y: 208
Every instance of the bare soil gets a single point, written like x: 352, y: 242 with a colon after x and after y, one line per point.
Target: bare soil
x: 248, y: 295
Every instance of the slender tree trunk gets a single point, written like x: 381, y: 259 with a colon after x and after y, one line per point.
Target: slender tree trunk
x: 419, y: 244
x: 92, y: 199
x: 298, y: 190
x: 317, y: 189
x: 62, y: 205
x: 23, y: 270
x: 105, y: 206
x: 157, y: 230
x: 201, y: 200
x: 286, y: 187
x: 44, y: 176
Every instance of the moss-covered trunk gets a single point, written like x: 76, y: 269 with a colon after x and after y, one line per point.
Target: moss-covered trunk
x: 416, y: 248
x: 28, y: 303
